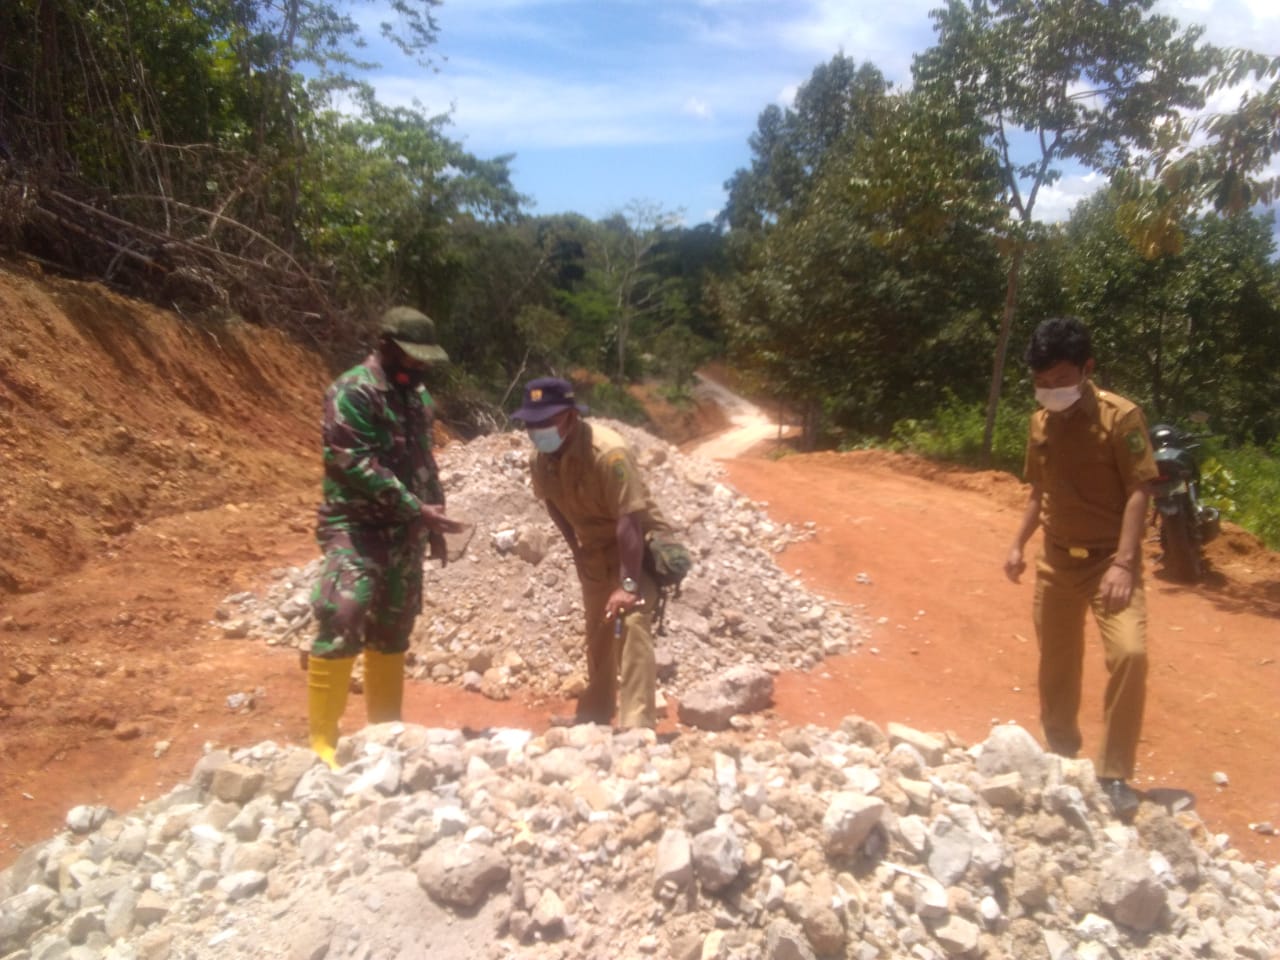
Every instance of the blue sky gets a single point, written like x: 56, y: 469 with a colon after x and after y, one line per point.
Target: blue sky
x: 608, y: 101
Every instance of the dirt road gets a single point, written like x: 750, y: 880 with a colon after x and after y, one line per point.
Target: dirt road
x: 749, y: 426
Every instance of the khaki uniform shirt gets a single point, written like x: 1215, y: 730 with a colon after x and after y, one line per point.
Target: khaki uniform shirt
x: 1087, y: 461
x: 592, y: 482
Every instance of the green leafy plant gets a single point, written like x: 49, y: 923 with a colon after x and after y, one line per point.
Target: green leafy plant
x: 955, y: 433
x: 1244, y: 483
x: 608, y: 399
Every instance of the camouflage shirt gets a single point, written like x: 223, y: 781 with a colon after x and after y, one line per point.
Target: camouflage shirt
x: 378, y: 467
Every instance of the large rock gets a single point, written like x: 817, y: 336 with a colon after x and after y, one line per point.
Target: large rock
x: 785, y: 942
x: 717, y: 858
x: 950, y: 851
x: 462, y: 874
x: 1010, y: 749
x: 672, y: 863
x: 236, y: 782
x: 1131, y: 893
x: 22, y: 915
x: 848, y: 821
x: 712, y: 704
x: 549, y: 913
x: 957, y: 935
x: 930, y: 747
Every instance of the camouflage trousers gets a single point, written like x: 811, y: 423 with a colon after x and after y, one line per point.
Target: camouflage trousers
x: 369, y: 592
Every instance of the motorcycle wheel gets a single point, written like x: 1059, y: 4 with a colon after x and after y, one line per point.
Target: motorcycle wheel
x: 1181, y: 548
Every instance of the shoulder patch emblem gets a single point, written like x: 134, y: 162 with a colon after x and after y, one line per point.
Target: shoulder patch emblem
x: 1137, y: 442
x: 618, y: 465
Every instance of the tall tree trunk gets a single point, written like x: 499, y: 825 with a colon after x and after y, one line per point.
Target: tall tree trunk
x: 623, y: 332
x: 1002, y: 348
x: 812, y: 421
x: 1157, y: 375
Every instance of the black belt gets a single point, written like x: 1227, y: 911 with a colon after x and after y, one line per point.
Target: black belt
x: 1084, y: 553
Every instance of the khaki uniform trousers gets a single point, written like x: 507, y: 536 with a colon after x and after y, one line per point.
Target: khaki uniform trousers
x: 1066, y: 587
x: 609, y: 657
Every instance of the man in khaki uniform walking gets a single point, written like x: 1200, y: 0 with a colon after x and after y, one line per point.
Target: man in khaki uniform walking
x: 599, y: 501
x: 1089, y: 463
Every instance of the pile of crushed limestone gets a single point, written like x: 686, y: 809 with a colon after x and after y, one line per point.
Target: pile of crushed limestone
x: 506, y: 614
x: 586, y: 843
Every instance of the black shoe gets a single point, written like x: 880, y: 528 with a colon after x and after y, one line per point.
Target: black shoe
x: 1123, y: 798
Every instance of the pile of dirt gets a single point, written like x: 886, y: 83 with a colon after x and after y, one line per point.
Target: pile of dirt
x: 113, y: 414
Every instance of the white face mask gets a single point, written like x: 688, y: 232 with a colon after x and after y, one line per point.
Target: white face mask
x: 546, y: 439
x: 1057, y: 399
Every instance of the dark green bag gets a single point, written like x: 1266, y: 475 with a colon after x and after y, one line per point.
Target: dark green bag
x: 668, y: 561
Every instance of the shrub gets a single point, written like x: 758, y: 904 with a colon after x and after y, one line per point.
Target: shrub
x: 607, y: 399
x: 1244, y: 483
x: 954, y: 434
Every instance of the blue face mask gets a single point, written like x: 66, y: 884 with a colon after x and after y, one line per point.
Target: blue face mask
x: 546, y: 439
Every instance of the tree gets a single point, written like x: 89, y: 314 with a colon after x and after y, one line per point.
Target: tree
x: 863, y: 304
x: 791, y: 145
x: 174, y: 148
x: 623, y: 256
x: 1195, y: 330
x: 1056, y: 81
x: 1227, y: 172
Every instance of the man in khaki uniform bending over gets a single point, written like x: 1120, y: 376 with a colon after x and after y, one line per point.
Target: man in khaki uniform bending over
x: 1089, y: 463
x: 598, y: 500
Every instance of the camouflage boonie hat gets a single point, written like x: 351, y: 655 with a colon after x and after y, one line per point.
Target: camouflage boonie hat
x: 414, y: 333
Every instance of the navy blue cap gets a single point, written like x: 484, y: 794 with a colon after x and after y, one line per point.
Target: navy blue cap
x: 544, y: 398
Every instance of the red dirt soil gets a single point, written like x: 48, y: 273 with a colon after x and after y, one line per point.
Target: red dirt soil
x: 956, y: 649
x: 149, y: 467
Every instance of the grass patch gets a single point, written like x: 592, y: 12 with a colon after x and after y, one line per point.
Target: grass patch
x: 954, y: 435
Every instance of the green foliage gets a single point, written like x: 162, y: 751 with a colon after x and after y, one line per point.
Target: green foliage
x: 857, y: 271
x: 1241, y: 482
x: 791, y: 147
x: 1198, y: 330
x: 608, y: 399
x: 1244, y: 483
x: 1093, y: 83
x: 954, y: 433
x: 1228, y: 169
x: 676, y: 353
x: 869, y: 288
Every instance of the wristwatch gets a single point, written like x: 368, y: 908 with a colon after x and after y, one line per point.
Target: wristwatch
x: 630, y: 585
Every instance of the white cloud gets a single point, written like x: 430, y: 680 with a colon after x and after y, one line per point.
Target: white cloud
x: 529, y: 74
x: 697, y: 107
x: 515, y: 110
x: 1054, y: 202
x: 1251, y: 24
x: 885, y: 34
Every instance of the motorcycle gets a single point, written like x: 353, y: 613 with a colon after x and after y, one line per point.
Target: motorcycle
x: 1186, y: 524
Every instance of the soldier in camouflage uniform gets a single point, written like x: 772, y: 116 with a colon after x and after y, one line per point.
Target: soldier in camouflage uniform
x: 383, y: 505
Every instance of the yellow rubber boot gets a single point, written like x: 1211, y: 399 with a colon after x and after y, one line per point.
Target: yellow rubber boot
x: 383, y: 685
x: 327, y: 682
